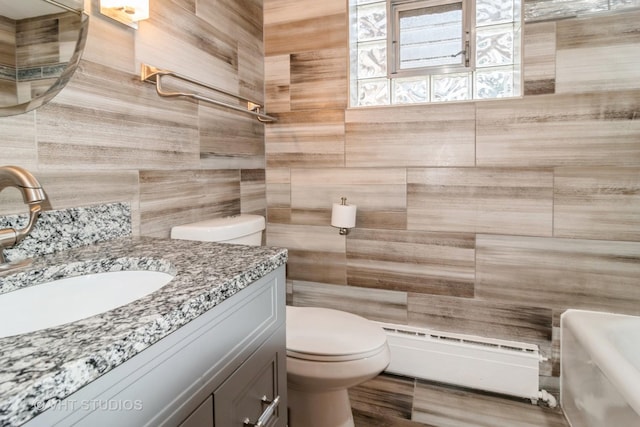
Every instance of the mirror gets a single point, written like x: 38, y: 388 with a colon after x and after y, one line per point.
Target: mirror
x: 41, y: 42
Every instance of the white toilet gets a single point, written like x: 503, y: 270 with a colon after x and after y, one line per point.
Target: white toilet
x: 328, y: 351
x: 239, y: 229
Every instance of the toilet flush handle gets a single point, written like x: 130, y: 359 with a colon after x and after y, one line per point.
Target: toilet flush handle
x: 266, y: 414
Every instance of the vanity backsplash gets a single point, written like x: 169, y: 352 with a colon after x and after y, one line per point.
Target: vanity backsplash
x: 59, y: 230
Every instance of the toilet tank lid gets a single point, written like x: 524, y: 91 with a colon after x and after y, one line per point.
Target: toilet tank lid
x: 219, y: 229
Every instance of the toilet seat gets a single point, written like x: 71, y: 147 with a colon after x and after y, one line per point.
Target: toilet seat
x: 322, y: 334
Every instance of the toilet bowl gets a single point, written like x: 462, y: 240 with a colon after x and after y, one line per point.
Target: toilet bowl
x: 328, y: 351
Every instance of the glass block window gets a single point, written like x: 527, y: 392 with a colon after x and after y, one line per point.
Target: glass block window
x: 420, y: 51
x: 410, y: 90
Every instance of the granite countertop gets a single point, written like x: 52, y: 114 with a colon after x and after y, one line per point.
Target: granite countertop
x: 41, y: 368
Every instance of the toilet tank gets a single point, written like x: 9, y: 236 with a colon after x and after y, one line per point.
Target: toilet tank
x: 242, y: 229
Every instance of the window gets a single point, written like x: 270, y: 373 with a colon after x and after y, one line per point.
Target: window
x: 428, y: 36
x: 417, y: 51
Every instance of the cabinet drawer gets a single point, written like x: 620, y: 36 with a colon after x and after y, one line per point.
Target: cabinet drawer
x: 263, y: 375
x: 201, y: 417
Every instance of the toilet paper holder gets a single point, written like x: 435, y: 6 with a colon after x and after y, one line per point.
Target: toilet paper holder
x: 343, y: 216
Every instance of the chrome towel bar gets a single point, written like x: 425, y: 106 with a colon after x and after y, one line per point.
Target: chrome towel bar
x: 153, y: 75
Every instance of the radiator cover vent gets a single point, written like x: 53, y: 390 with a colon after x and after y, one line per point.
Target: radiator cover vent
x: 494, y: 365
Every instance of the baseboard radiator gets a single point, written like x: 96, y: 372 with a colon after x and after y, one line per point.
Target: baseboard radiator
x: 498, y: 366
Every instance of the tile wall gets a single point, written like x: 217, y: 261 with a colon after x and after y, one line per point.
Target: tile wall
x: 109, y: 137
x: 489, y: 217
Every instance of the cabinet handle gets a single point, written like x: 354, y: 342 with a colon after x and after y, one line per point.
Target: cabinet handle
x: 266, y: 414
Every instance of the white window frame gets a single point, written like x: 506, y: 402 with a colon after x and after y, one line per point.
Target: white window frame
x: 467, y: 48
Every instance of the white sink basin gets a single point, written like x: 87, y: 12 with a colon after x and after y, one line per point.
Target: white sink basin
x: 73, y: 298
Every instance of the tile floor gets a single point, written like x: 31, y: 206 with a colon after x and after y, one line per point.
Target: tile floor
x: 394, y: 401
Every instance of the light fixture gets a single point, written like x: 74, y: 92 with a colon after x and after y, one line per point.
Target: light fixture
x: 128, y: 12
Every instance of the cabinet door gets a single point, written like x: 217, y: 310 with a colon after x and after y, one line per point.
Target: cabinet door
x: 201, y: 417
x: 249, y: 392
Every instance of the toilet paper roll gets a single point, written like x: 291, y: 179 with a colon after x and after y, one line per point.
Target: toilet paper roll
x: 343, y: 216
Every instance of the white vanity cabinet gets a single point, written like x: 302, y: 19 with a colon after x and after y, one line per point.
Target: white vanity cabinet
x: 213, y: 371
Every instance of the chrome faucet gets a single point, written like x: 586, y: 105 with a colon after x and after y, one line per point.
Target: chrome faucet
x: 32, y: 194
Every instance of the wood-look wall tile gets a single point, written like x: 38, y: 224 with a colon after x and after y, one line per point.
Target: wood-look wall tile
x: 37, y: 41
x: 251, y: 69
x: 310, y: 265
x: 412, y: 261
x: 442, y: 406
x: 539, y: 65
x: 316, y: 254
x: 188, y: 5
x: 319, y: 79
x: 110, y: 45
x: 106, y: 119
x: 380, y: 195
x: 277, y: 76
x: 306, y: 139
x: 298, y: 237
x: 598, y: 53
x: 11, y: 201
x: 169, y: 198
x: 598, y: 69
x: 243, y: 20
x: 8, y: 92
x: 229, y: 139
x: 33, y: 88
x: 492, y: 319
x: 189, y: 45
x: 599, y: 30
x: 597, y: 203
x: 68, y: 27
x: 279, y: 11
x: 384, y: 395
x: 18, y: 142
x: 303, y: 237
x: 212, y: 161
x: 7, y: 41
x: 278, y: 187
x: 305, y: 35
x: 432, y: 135
x: 481, y: 200
x: 278, y: 195
x: 374, y: 304
x: 233, y: 16
x: 600, y: 129
x: 559, y: 273
x: 253, y: 192
x: 279, y: 215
